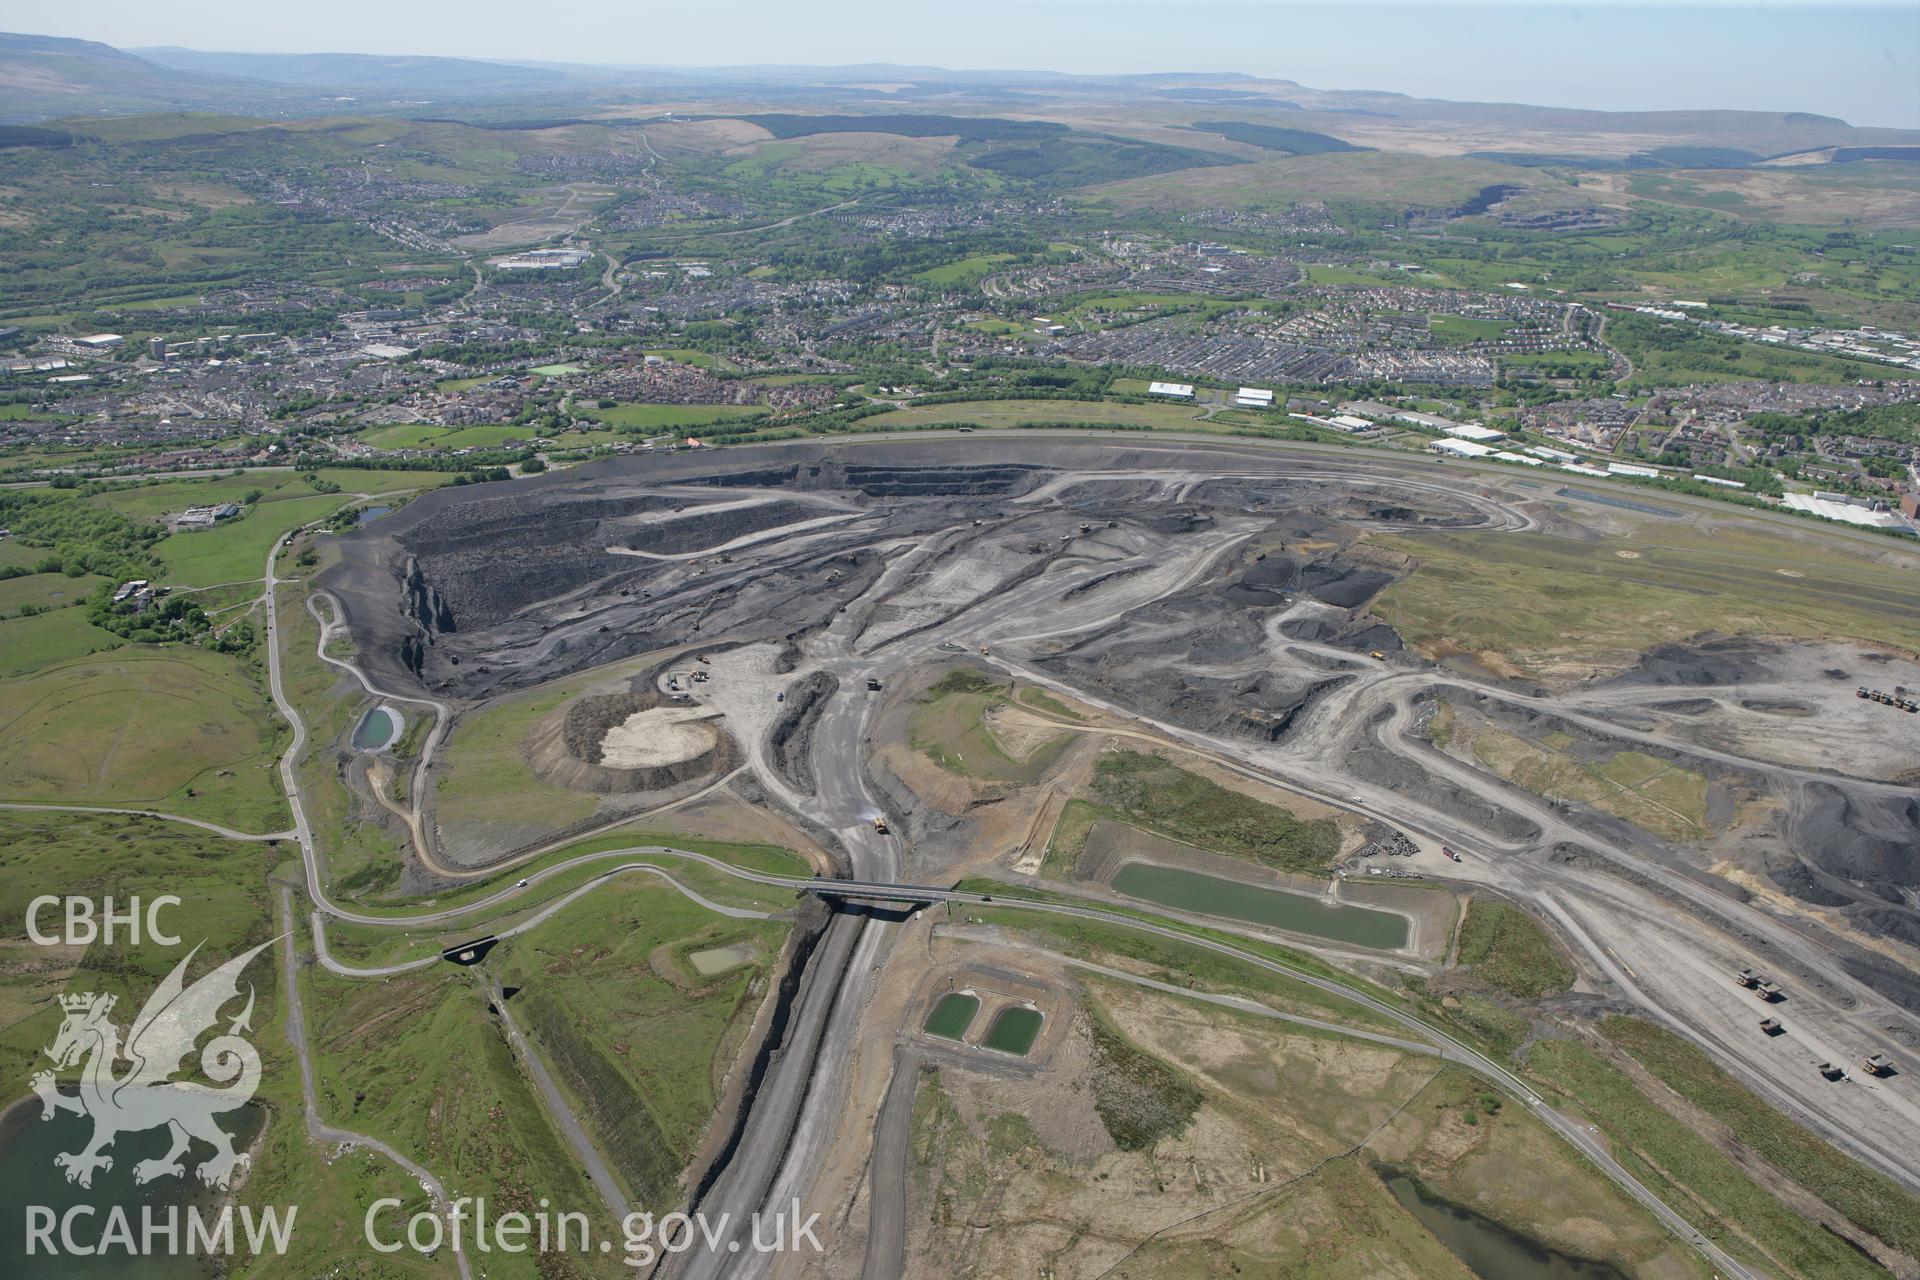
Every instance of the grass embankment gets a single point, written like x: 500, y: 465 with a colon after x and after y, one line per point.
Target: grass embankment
x: 226, y: 909
x: 950, y: 726
x: 373, y: 945
x: 1561, y: 611
x: 634, y: 1034
x: 1868, y: 1199
x: 1506, y: 948
x: 1687, y: 1171
x: 144, y: 726
x: 1147, y: 791
x: 484, y: 776
x: 1180, y: 963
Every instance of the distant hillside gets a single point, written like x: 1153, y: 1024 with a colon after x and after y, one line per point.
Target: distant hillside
x: 421, y: 77
x: 1294, y: 142
x: 46, y: 76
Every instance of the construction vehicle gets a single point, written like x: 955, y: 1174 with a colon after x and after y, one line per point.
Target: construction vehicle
x: 873, y: 684
x: 1377, y: 655
x: 1772, y: 1026
x: 1450, y: 853
x: 1770, y: 992
x: 983, y: 651
x: 1877, y: 1064
x: 1833, y: 1071
x: 880, y: 825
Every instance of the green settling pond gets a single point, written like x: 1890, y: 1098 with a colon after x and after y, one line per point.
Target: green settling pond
x: 1213, y: 896
x: 379, y: 729
x: 717, y: 960
x: 1013, y: 1031
x: 951, y: 1017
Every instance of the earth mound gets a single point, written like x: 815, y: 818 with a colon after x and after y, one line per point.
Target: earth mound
x: 628, y: 742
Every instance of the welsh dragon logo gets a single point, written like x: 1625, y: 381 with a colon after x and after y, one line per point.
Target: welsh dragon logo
x: 145, y: 1096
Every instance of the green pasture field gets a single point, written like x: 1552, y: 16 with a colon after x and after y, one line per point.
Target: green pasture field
x: 31, y: 644
x: 661, y: 416
x: 963, y: 270
x: 593, y: 990
x: 45, y: 591
x: 177, y: 729
x: 1506, y: 948
x: 425, y: 435
x: 236, y: 550
x: 1552, y: 608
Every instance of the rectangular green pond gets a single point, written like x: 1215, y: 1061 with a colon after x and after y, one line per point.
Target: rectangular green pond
x: 1211, y: 895
x: 1013, y: 1031
x: 950, y: 1018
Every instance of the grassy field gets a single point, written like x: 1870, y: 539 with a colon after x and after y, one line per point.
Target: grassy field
x: 1009, y: 413
x: 417, y: 1061
x: 1148, y: 792
x: 1242, y: 1147
x: 963, y: 270
x: 1140, y: 1099
x: 656, y: 417
x: 177, y: 729
x: 1506, y: 948
x: 1559, y: 610
x: 32, y: 644
x: 1324, y: 273
x: 1397, y: 177
x: 1460, y: 330
x: 426, y: 435
x: 1869, y: 1200
x: 236, y: 550
x: 631, y: 1030
x: 225, y: 911
x: 1685, y: 1169
x: 1180, y: 963
x: 950, y: 726
x: 167, y: 497
x: 687, y: 355
x: 44, y: 591
x: 484, y: 775
x: 1654, y: 794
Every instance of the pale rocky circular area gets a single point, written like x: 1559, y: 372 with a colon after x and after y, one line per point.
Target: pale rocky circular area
x: 657, y: 736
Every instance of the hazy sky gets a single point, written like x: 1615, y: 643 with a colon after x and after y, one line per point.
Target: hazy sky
x: 1860, y: 60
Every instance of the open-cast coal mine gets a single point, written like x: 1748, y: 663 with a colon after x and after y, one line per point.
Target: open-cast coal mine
x: 769, y: 627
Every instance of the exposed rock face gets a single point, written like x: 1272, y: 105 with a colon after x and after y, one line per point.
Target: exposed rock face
x: 423, y: 601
